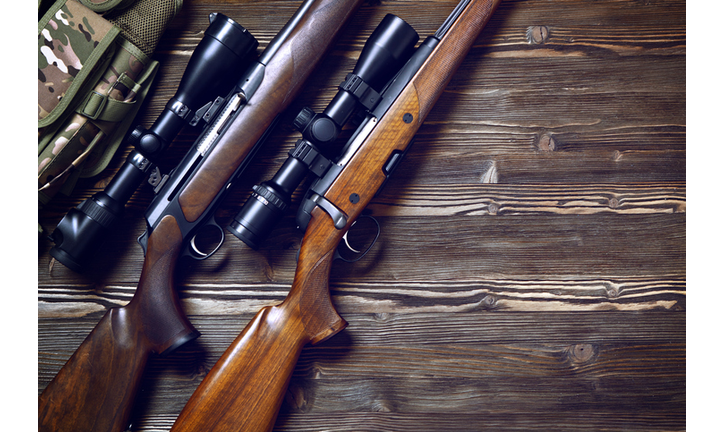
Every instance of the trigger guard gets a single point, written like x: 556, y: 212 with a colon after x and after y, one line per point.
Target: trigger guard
x: 194, y: 251
x: 362, y: 254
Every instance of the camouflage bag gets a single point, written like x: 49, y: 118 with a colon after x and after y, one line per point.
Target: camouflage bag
x: 94, y: 70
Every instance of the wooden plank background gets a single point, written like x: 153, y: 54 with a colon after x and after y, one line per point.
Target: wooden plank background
x: 531, y: 271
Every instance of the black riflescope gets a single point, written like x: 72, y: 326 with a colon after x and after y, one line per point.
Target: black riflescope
x: 225, y: 48
x: 385, y: 52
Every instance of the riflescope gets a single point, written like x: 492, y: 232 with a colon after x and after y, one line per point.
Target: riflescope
x: 384, y: 53
x: 225, y: 48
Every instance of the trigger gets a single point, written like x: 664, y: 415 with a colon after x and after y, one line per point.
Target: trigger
x: 361, y: 233
x: 346, y: 241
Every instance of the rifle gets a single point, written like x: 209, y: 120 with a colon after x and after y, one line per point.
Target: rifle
x: 245, y: 388
x: 94, y: 390
x: 224, y: 50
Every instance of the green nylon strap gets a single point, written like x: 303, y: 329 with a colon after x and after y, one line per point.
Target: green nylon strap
x: 98, y: 106
x: 128, y: 83
x: 101, y: 107
x: 144, y: 83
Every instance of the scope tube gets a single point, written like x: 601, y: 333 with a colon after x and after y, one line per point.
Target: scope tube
x: 389, y: 46
x: 225, y: 47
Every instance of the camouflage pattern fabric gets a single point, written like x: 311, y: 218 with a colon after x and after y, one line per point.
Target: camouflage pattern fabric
x: 108, y: 104
x: 66, y: 44
x: 93, y: 73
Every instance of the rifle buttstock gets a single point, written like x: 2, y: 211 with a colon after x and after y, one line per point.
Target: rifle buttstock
x: 78, y: 399
x: 95, y: 389
x: 260, y: 361
x: 245, y: 388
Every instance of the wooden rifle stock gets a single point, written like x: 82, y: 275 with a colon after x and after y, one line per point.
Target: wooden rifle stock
x: 95, y: 389
x: 245, y: 388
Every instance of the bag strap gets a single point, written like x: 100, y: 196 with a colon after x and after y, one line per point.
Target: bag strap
x: 100, y: 106
x: 143, y: 87
x: 100, y: 6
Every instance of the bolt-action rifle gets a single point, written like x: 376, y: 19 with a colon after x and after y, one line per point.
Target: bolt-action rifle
x: 218, y: 60
x: 95, y: 389
x: 245, y: 388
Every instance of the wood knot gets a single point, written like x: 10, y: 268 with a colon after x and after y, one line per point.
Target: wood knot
x: 200, y: 369
x: 489, y: 302
x: 613, y: 203
x: 293, y: 243
x: 268, y: 272
x: 382, y: 406
x: 546, y: 143
x: 382, y: 316
x: 493, y: 208
x: 537, y: 34
x: 315, y: 372
x: 581, y: 353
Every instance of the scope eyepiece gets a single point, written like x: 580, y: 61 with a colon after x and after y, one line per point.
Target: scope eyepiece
x: 82, y: 227
x: 265, y: 207
x: 261, y: 214
x: 77, y: 237
x: 385, y: 52
x: 80, y: 233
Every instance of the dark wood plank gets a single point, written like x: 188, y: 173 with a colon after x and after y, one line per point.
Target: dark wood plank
x: 526, y: 363
x: 545, y: 247
x: 531, y: 271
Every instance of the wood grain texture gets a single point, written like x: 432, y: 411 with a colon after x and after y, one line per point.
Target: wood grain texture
x: 95, y: 389
x: 531, y: 271
x: 284, y: 77
x: 245, y: 389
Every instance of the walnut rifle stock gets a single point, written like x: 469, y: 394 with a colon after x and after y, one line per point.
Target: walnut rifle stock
x: 95, y: 389
x: 245, y: 388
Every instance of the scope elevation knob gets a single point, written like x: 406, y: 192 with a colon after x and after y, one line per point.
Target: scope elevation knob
x: 303, y: 118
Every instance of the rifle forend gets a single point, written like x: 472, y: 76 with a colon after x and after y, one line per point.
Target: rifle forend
x: 95, y: 389
x: 245, y: 388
